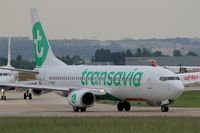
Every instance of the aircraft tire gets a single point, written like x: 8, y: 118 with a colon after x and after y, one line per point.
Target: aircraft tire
x: 127, y: 106
x: 3, y: 98
x: 25, y: 96
x: 30, y: 96
x: 120, y: 106
x: 164, y: 108
x: 83, y: 109
x: 76, y: 109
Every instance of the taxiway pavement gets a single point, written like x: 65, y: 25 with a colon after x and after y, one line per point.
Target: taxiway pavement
x: 52, y: 105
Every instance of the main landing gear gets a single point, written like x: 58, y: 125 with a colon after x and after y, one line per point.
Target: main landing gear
x: 3, y: 97
x: 77, y: 109
x: 27, y: 94
x: 123, y: 105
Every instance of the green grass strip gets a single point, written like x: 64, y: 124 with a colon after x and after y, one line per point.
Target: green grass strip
x: 101, y: 125
x: 188, y: 99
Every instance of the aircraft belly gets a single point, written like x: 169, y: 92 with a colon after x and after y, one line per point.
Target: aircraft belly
x: 125, y: 93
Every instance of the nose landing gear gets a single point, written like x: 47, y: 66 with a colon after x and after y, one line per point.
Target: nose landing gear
x: 164, y: 105
x: 27, y: 94
x: 164, y: 108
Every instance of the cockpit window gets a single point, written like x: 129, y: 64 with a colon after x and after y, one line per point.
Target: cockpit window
x: 169, y: 78
x: 163, y: 78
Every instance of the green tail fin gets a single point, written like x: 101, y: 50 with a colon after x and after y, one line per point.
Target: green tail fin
x: 42, y: 50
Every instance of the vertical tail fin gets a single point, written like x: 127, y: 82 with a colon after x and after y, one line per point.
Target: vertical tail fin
x: 44, y: 56
x: 9, y: 52
x: 153, y: 63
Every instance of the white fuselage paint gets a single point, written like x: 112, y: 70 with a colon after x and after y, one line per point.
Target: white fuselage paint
x: 8, y: 76
x: 151, y: 88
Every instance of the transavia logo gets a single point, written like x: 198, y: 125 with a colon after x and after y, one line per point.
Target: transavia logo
x: 119, y: 78
x: 36, y: 41
x: 40, y: 44
x: 73, y: 99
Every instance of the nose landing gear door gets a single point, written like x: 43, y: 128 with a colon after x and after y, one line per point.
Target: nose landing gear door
x: 149, y: 81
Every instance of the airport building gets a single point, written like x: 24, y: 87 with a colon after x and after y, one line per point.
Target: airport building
x: 165, y: 61
x: 99, y: 63
x: 165, y: 51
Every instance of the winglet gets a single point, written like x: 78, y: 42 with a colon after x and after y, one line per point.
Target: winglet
x: 153, y: 63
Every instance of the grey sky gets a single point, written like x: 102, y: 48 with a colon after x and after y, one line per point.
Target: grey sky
x: 103, y: 19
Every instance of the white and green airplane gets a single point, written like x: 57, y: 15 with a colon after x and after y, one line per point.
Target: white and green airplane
x: 83, y: 85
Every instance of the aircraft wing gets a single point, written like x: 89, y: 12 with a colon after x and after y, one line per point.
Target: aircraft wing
x: 20, y: 70
x: 28, y: 82
x: 95, y: 91
x: 189, y: 79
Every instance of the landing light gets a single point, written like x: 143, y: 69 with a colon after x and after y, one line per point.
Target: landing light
x: 102, y: 91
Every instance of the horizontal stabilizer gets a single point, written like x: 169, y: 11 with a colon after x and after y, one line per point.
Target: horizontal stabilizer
x: 20, y: 70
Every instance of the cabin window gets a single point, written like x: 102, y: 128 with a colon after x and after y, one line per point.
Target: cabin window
x: 5, y: 74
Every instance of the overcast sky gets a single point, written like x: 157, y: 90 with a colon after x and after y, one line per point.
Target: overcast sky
x: 103, y: 19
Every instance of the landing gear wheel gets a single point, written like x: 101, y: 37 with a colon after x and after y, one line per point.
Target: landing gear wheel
x: 76, y: 109
x: 30, y: 96
x: 123, y: 105
x: 3, y: 97
x: 164, y: 108
x: 127, y: 106
x: 25, y: 96
x: 83, y: 109
x: 120, y: 106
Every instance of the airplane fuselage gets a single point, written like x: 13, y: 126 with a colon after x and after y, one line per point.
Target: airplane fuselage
x: 124, y: 82
x: 7, y: 76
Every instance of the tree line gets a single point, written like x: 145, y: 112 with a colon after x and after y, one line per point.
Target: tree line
x: 101, y: 55
x: 19, y: 62
x: 118, y: 58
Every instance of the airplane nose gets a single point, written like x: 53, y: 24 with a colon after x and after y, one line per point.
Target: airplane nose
x: 179, y: 89
x: 176, y: 90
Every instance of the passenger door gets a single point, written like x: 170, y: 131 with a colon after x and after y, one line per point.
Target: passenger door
x: 149, y: 80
